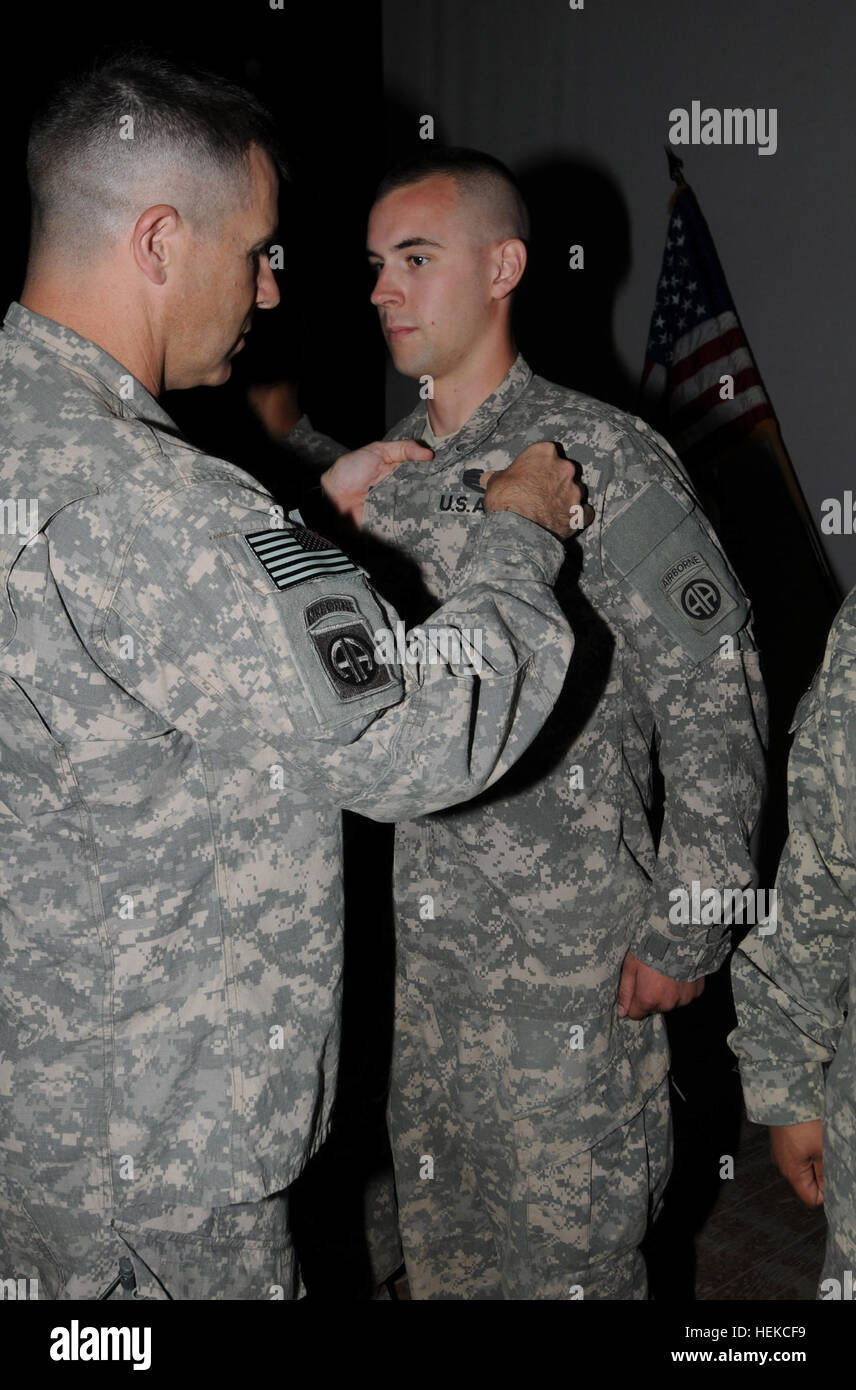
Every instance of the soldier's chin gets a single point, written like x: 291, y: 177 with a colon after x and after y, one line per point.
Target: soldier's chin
x: 408, y: 363
x: 221, y: 373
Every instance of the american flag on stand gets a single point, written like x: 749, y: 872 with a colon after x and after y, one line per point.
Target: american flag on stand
x: 695, y: 339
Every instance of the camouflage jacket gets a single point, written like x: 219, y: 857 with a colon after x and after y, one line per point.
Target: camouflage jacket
x: 528, y: 898
x: 311, y: 446
x: 188, y: 695
x: 795, y: 1034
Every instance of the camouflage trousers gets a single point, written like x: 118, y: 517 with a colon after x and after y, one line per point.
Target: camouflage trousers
x: 236, y: 1252
x: 492, y: 1206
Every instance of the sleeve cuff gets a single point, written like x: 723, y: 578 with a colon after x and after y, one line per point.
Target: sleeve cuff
x: 689, y: 958
x: 507, y: 534
x: 782, y: 1095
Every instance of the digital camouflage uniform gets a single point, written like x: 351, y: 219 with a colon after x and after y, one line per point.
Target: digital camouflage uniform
x: 530, y: 1125
x: 311, y: 446
x: 796, y: 1035
x: 188, y: 695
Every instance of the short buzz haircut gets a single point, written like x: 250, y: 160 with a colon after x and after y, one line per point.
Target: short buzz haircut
x: 486, y: 181
x: 132, y: 130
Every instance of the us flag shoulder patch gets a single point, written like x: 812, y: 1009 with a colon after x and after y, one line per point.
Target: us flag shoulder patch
x: 292, y: 556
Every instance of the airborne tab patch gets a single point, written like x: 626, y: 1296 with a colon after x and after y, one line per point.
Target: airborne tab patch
x: 294, y: 555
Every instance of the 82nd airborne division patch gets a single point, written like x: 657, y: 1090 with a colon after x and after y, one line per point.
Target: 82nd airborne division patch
x: 694, y: 590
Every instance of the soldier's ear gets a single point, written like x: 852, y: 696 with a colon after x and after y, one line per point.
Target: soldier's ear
x: 153, y: 241
x: 510, y: 263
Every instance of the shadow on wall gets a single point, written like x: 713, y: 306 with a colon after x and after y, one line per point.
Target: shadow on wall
x: 563, y: 316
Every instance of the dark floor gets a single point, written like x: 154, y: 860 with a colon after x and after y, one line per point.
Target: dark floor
x: 760, y: 1242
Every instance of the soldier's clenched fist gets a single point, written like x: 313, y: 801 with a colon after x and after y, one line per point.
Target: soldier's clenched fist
x: 541, y: 485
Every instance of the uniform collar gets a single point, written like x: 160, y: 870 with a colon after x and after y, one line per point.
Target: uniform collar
x: 483, y: 420
x: 87, y: 360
